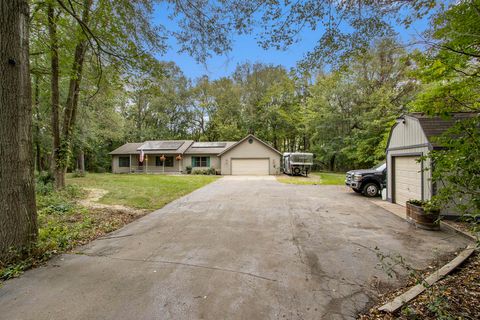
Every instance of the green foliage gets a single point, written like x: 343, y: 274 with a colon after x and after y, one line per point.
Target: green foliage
x: 351, y: 110
x: 188, y: 169
x: 61, y: 225
x: 209, y: 171
x: 430, y: 206
x: 450, y: 83
x: 78, y: 174
x: 457, y: 169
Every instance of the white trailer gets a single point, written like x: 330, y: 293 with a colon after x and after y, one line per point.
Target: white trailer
x: 297, y: 163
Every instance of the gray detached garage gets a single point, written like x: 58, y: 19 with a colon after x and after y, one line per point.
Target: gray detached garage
x: 412, y: 137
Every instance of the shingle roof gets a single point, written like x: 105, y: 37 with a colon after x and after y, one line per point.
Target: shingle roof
x: 127, y: 148
x: 436, y: 126
x: 209, y: 147
x: 249, y: 136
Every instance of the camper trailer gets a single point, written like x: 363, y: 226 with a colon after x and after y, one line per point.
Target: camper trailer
x: 297, y: 163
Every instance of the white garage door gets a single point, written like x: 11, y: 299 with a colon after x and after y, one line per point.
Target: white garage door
x: 256, y: 167
x: 407, y: 179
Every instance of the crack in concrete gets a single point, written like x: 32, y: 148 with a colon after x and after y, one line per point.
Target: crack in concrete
x: 188, y: 265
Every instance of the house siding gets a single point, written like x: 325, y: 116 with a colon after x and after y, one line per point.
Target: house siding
x: 245, y: 150
x: 214, y: 161
x: 116, y: 165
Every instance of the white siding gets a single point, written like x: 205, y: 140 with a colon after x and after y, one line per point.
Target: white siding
x: 407, y: 133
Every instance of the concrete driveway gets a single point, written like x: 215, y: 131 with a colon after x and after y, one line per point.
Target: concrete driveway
x: 239, y: 248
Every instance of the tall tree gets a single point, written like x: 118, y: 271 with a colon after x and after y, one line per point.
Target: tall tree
x: 18, y: 217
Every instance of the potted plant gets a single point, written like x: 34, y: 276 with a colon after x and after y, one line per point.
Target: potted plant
x: 423, y: 214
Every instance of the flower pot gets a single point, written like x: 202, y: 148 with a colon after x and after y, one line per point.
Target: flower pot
x: 421, y: 219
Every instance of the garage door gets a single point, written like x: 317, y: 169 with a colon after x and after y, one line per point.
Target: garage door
x: 245, y: 167
x: 407, y: 179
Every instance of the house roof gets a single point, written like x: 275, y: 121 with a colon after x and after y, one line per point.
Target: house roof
x: 165, y: 146
x: 436, y: 126
x: 127, y: 148
x: 209, y: 147
x: 183, y: 146
x: 247, y: 137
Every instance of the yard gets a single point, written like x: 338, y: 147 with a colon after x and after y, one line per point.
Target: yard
x: 315, y: 178
x: 141, y: 191
x: 92, y: 206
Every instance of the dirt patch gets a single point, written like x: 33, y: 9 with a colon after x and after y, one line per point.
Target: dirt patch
x: 94, y: 195
x: 454, y: 297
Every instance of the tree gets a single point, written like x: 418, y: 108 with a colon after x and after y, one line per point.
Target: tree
x: 450, y: 75
x: 344, y: 28
x: 18, y: 217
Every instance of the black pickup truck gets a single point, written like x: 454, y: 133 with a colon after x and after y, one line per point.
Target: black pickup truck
x: 369, y: 182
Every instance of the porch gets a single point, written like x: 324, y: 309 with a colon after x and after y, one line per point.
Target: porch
x: 153, y: 163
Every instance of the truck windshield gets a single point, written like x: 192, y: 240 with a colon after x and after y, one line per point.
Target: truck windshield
x: 302, y: 157
x: 380, y: 167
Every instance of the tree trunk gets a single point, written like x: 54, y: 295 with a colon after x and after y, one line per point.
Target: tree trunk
x: 38, y: 155
x: 55, y: 97
x: 72, y: 97
x: 81, y: 161
x: 332, y: 163
x: 18, y: 216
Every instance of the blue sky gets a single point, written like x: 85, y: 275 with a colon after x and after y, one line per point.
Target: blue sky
x: 246, y: 49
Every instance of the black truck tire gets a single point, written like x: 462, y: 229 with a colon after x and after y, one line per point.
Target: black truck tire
x: 371, y: 189
x: 296, y: 171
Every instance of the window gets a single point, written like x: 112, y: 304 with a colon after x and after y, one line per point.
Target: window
x: 168, y: 161
x: 124, y: 162
x: 200, y: 161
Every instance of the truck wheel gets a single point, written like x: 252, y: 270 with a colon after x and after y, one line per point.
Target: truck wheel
x: 296, y: 171
x: 370, y: 190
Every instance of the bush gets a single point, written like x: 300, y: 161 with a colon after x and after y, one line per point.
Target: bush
x: 209, y: 171
x: 199, y: 171
x: 100, y: 170
x: 78, y: 174
x: 44, y: 177
x: 189, y: 169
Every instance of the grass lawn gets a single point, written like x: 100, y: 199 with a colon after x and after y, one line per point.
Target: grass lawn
x: 64, y: 221
x: 141, y: 191
x: 315, y: 178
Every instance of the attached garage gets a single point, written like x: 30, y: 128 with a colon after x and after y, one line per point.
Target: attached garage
x: 250, y: 156
x: 252, y: 167
x: 411, y: 138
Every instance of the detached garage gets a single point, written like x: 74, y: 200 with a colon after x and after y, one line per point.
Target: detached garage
x: 412, y: 137
x: 250, y: 156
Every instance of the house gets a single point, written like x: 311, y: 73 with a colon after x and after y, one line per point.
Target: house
x: 249, y: 156
x: 412, y: 137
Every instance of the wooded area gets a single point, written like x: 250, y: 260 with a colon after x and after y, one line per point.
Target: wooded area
x: 96, y: 83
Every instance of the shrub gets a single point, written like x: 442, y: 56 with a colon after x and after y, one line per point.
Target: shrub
x: 78, y: 174
x: 100, y: 170
x: 199, y: 171
x: 211, y: 171
x: 188, y: 169
x: 44, y: 177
